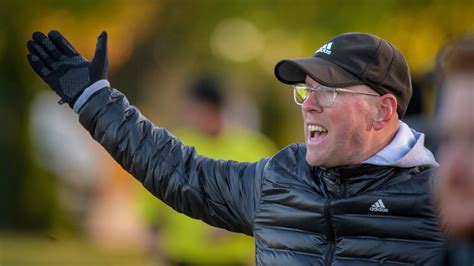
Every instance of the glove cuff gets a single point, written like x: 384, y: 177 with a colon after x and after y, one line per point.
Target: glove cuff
x: 88, y: 92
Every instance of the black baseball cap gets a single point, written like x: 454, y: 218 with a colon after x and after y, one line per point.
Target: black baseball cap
x: 350, y: 59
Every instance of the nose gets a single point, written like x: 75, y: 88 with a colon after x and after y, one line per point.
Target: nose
x: 456, y: 168
x: 311, y: 103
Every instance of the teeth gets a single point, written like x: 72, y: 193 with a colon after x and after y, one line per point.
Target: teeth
x: 317, y: 128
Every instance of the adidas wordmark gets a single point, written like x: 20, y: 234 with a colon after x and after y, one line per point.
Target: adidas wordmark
x: 378, y: 206
x: 325, y: 48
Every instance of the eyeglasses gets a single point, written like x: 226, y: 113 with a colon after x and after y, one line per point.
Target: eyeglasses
x: 323, y: 94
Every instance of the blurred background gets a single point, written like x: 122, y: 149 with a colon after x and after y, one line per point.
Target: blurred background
x: 63, y: 201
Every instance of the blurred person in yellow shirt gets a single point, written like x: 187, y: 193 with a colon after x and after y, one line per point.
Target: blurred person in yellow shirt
x: 176, y: 239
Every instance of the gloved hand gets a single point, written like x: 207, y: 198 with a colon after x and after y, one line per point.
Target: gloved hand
x: 63, y: 68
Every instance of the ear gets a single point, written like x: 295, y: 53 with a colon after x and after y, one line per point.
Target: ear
x: 386, y: 111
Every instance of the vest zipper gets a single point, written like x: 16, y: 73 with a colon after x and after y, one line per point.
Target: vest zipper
x: 330, y: 235
x: 338, y: 183
x: 341, y: 187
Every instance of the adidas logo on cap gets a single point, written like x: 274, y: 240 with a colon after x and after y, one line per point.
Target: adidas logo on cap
x: 325, y: 48
x: 378, y: 206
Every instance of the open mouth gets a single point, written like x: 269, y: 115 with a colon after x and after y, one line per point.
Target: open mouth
x: 317, y: 134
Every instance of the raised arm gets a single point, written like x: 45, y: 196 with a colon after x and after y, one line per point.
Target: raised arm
x: 221, y: 193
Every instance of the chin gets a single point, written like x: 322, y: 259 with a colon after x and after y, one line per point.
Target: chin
x: 318, y: 162
x: 314, y: 161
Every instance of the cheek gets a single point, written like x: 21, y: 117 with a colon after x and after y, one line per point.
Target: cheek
x: 348, y: 123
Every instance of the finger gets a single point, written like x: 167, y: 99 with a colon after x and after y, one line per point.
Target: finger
x: 35, y: 49
x: 38, y: 65
x: 47, y: 45
x: 101, y: 47
x: 61, y: 43
x: 100, y: 56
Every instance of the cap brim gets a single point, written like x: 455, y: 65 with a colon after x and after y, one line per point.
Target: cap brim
x: 295, y: 71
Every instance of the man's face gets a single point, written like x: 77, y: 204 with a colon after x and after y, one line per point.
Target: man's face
x: 340, y: 134
x: 203, y: 116
x: 456, y: 154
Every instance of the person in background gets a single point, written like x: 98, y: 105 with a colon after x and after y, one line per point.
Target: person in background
x: 357, y: 192
x: 455, y: 186
x: 173, y: 236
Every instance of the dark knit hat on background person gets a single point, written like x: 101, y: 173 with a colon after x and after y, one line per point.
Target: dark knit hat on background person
x: 352, y: 59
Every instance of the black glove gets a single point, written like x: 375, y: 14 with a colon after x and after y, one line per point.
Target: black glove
x: 63, y: 68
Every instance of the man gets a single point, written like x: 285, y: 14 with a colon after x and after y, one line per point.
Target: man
x: 357, y: 193
x: 456, y: 152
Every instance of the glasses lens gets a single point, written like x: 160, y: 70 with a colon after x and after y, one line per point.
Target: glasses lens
x: 326, y: 96
x: 300, y: 93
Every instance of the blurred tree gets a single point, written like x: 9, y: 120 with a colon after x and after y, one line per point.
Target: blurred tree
x: 16, y: 163
x: 27, y: 192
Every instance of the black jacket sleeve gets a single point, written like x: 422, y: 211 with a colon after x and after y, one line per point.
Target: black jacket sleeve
x: 221, y: 193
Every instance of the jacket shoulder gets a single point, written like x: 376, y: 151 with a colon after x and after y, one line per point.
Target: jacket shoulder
x: 290, y: 155
x: 288, y: 164
x: 420, y: 180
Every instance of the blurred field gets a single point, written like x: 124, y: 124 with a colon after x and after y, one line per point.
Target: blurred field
x: 29, y: 249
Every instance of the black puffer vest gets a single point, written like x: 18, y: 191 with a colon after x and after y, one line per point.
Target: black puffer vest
x: 354, y: 215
